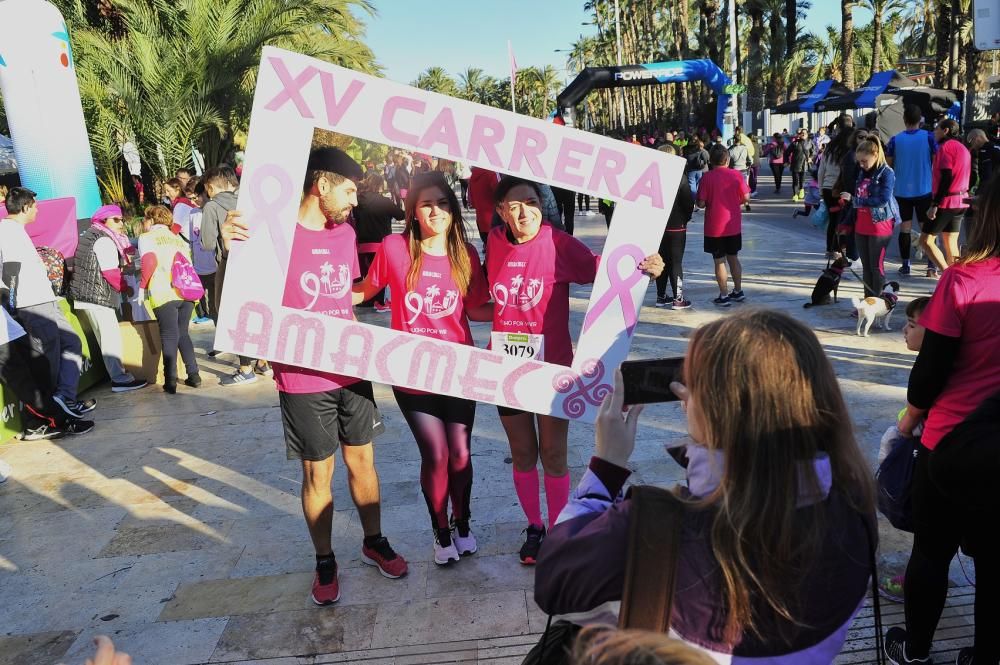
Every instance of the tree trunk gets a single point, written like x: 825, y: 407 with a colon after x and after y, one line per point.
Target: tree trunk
x: 943, y: 51
x: 755, y: 57
x: 955, y: 57
x: 847, y: 41
x: 791, y: 26
x: 776, y: 38
x: 710, y: 29
x: 876, y: 46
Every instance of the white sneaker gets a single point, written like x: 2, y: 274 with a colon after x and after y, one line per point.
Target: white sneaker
x: 466, y: 544
x: 445, y: 555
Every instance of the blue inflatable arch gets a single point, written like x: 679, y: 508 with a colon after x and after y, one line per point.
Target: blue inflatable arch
x: 680, y: 71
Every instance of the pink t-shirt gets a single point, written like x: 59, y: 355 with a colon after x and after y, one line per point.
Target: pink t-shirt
x: 434, y: 308
x: 530, y: 285
x: 966, y: 304
x: 321, y: 270
x: 952, y: 155
x: 723, y: 190
x: 864, y: 223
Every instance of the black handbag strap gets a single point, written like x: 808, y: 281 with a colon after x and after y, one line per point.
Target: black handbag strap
x: 651, y: 570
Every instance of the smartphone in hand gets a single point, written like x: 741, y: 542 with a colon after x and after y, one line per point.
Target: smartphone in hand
x: 648, y: 381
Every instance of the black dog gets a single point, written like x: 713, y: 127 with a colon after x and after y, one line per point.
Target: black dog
x: 828, y: 283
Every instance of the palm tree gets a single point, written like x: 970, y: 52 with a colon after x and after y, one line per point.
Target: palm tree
x: 881, y: 10
x: 847, y: 40
x: 755, y: 54
x: 471, y: 83
x: 436, y: 79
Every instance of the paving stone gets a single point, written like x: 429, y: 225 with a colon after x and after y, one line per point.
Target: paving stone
x: 245, y: 595
x: 36, y: 648
x: 318, y: 630
x: 166, y: 643
x: 167, y: 538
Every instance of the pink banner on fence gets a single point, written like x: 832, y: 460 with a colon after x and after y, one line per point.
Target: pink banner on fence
x: 55, y: 225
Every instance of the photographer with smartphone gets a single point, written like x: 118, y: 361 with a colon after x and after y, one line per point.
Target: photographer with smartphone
x: 778, y: 525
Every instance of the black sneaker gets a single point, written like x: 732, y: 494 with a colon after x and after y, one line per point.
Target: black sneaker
x: 722, y: 301
x: 895, y: 648
x: 126, y: 386
x: 73, y: 408
x: 662, y: 301
x: 680, y: 303
x: 965, y: 655
x: 79, y: 426
x: 193, y: 380
x: 533, y: 543
x: 738, y: 296
x: 44, y: 432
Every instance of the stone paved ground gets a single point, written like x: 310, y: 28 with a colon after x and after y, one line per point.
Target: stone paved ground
x: 175, y: 526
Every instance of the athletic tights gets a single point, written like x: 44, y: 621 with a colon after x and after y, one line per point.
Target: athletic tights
x: 672, y: 251
x: 777, y: 170
x: 442, y: 427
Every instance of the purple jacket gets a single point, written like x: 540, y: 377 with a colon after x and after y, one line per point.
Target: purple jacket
x: 581, y: 568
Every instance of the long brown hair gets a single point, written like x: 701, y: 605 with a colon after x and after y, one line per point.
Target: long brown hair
x: 984, y: 238
x: 458, y: 252
x: 770, y: 400
x: 605, y: 645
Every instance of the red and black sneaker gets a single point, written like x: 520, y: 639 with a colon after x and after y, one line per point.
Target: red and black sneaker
x: 533, y: 543
x: 326, y: 584
x: 381, y: 555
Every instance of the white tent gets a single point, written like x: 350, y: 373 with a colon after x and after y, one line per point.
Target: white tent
x: 7, y: 162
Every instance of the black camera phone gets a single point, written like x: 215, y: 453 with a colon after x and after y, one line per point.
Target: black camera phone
x: 648, y: 381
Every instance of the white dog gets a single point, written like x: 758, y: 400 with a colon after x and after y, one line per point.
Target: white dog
x: 876, y: 310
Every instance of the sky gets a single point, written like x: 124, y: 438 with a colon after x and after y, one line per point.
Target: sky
x: 408, y: 36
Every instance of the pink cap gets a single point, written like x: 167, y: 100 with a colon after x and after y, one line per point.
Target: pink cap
x: 107, y: 211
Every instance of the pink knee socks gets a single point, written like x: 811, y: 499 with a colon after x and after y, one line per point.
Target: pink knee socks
x: 526, y: 486
x: 556, y: 495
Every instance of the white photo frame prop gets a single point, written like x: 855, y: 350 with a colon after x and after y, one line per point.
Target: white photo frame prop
x: 296, y: 94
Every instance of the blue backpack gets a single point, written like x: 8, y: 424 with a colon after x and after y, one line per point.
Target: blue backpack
x: 895, y: 480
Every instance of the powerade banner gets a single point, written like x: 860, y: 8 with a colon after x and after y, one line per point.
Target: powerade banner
x: 42, y: 100
x: 679, y: 71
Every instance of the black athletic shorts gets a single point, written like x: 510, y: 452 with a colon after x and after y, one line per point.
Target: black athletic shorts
x: 916, y: 204
x: 317, y: 423
x: 724, y: 246
x: 947, y: 220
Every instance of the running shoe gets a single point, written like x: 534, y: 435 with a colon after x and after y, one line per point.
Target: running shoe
x: 381, y: 555
x: 747, y: 207
x: 461, y: 535
x: 239, y: 378
x: 74, y: 408
x: 126, y: 386
x: 533, y: 543
x: 382, y: 308
x: 738, y: 296
x: 202, y: 319
x: 661, y: 301
x: 444, y: 549
x: 904, y: 269
x: 75, y: 427
x: 193, y: 380
x: 965, y: 655
x: 326, y: 584
x: 895, y: 648
x: 170, y: 388
x: 802, y: 195
x: 891, y: 588
x: 263, y: 368
x: 44, y: 432
x: 680, y: 303
x: 722, y: 301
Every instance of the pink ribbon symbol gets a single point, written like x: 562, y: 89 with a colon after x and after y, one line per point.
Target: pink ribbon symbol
x: 619, y: 287
x: 269, y: 211
x: 575, y: 403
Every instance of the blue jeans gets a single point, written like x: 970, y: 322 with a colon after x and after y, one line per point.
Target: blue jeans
x: 694, y: 177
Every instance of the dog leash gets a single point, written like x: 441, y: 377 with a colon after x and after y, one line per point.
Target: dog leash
x: 861, y: 279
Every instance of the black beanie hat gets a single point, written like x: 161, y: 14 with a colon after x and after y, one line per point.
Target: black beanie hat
x: 336, y: 161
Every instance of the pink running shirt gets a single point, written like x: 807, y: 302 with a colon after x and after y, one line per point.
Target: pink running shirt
x: 952, y: 154
x: 321, y: 270
x: 434, y: 308
x: 722, y: 190
x: 965, y: 304
x: 530, y: 285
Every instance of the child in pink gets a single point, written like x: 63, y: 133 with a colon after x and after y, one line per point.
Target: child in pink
x: 722, y: 193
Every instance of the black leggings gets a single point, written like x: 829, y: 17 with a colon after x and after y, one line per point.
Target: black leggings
x: 442, y: 427
x: 941, y: 526
x: 832, y: 244
x: 583, y: 202
x: 798, y: 179
x: 464, y: 182
x: 672, y: 252
x: 174, y: 318
x: 565, y: 199
x: 777, y: 170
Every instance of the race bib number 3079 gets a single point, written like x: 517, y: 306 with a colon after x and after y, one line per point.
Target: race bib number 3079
x: 519, y: 345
